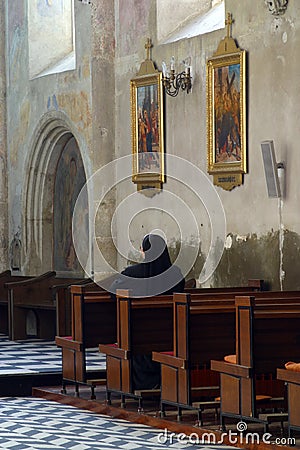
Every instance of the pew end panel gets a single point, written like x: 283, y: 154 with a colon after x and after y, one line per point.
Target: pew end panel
x: 292, y: 381
x: 93, y: 315
x: 200, y: 331
x: 143, y: 325
x: 117, y: 370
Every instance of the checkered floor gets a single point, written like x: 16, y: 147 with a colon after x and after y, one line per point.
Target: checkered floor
x: 38, y: 356
x: 36, y: 424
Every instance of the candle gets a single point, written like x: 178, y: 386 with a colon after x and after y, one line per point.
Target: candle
x: 172, y: 63
x: 164, y: 69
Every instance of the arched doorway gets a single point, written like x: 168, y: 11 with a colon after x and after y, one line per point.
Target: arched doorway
x: 55, y: 174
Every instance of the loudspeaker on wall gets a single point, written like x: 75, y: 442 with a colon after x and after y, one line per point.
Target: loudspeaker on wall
x: 270, y: 166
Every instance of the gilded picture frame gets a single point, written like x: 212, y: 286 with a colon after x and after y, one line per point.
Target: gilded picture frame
x: 226, y: 118
x: 147, y: 130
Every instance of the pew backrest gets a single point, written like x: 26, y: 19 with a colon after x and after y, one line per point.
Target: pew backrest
x: 267, y: 335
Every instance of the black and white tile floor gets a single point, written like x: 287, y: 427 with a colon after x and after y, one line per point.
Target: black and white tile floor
x: 39, y: 356
x: 39, y: 424
x: 28, y: 423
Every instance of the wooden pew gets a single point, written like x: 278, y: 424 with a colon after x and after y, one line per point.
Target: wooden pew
x: 292, y: 382
x: 6, y: 277
x: 117, y: 356
x: 266, y: 336
x: 202, y: 327
x: 62, y: 294
x: 74, y: 354
x: 187, y: 364
x: 143, y: 325
x: 93, y: 317
x: 37, y: 296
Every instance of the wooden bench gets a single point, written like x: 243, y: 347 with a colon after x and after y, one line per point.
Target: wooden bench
x: 72, y: 354
x: 6, y: 277
x: 93, y: 318
x: 202, y: 328
x: 143, y: 325
x: 185, y: 364
x: 62, y: 294
x: 267, y: 335
x: 34, y: 295
x: 292, y: 382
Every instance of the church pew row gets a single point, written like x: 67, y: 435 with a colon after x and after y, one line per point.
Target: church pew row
x: 136, y: 335
x: 267, y: 335
x: 75, y: 345
x: 203, y: 326
x: 117, y: 352
x: 93, y: 320
x: 35, y: 297
x: 6, y: 277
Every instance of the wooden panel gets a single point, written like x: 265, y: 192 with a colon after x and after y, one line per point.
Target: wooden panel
x: 247, y: 397
x: 169, y: 383
x: 183, y: 387
x: 68, y: 366
x: 230, y: 395
x: 182, y: 330
x: 244, y: 334
x: 113, y: 371
x: 126, y: 378
x: 294, y: 404
x: 124, y: 333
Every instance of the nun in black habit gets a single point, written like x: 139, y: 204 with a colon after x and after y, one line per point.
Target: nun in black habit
x: 154, y: 276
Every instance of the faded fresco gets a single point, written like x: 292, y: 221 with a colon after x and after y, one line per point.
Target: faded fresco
x: 70, y: 178
x: 133, y: 24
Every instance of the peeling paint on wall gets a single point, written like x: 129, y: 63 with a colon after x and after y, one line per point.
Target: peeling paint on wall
x: 260, y: 257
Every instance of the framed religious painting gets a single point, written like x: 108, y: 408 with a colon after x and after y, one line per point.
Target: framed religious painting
x: 226, y: 116
x: 147, y: 129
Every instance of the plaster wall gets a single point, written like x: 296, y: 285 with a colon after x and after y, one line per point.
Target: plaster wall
x: 41, y: 111
x: 262, y: 234
x: 3, y: 155
x: 92, y: 102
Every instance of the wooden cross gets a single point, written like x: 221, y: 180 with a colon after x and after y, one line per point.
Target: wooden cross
x: 228, y: 23
x: 148, y: 46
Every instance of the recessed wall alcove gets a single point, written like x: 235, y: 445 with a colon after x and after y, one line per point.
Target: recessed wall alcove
x: 45, y: 227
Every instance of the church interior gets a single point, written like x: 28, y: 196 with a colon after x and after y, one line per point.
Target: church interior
x: 122, y: 119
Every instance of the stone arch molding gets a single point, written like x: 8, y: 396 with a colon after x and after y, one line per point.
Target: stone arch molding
x: 49, y: 138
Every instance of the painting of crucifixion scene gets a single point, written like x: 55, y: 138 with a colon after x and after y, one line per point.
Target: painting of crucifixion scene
x: 148, y: 111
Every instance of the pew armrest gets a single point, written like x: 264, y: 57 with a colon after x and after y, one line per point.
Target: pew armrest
x: 115, y: 352
x: 68, y: 343
x: 289, y: 376
x: 231, y: 369
x: 169, y: 360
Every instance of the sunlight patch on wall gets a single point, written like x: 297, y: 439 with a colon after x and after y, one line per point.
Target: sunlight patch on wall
x: 50, y: 36
x: 210, y: 16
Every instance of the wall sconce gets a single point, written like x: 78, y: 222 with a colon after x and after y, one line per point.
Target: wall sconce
x: 174, y: 82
